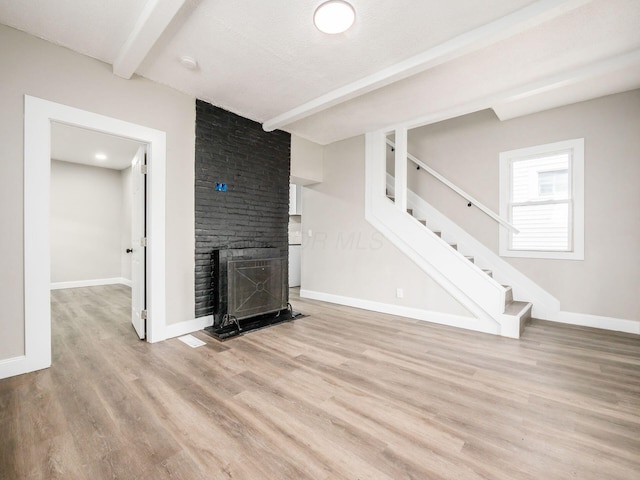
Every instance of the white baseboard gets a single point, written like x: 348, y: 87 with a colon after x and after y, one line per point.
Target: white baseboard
x: 469, y: 323
x: 91, y: 283
x: 598, y: 321
x: 188, y: 326
x: 10, y: 367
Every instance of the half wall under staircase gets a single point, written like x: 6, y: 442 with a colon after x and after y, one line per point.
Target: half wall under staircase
x: 499, y: 296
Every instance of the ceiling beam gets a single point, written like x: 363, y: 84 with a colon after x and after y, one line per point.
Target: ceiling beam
x: 548, y: 84
x: 154, y: 19
x: 574, y: 76
x: 539, y: 96
x: 505, y: 27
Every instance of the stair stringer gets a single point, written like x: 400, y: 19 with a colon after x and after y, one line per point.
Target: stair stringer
x: 545, y: 305
x: 482, y: 322
x: 476, y: 291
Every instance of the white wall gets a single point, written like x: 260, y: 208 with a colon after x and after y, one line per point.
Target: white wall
x: 306, y: 161
x: 126, y: 212
x: 346, y: 256
x: 465, y: 150
x: 86, y: 222
x: 35, y: 67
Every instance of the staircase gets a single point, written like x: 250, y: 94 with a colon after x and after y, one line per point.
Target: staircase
x: 450, y: 261
x: 516, y: 313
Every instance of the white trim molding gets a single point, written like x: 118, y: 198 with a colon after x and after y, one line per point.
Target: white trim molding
x: 188, y: 326
x: 459, y: 321
x: 599, y: 321
x: 469, y: 323
x: 10, y: 367
x: 90, y: 283
x: 38, y: 115
x: 576, y: 211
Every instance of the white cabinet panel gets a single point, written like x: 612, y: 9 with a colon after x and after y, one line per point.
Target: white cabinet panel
x: 295, y: 199
x: 294, y: 265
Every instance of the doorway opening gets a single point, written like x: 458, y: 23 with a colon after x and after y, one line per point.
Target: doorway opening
x: 98, y: 207
x: 39, y: 115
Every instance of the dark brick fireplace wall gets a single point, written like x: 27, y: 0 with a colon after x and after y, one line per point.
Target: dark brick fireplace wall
x: 254, y: 210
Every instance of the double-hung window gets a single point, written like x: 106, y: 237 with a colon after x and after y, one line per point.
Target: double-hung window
x: 542, y: 195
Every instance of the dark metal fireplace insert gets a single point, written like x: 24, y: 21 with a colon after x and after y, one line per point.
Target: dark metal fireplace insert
x: 250, y: 287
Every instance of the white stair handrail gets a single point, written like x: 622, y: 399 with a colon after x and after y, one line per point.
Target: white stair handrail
x: 459, y: 191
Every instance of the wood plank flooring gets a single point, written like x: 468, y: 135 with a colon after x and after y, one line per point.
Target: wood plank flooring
x: 341, y: 394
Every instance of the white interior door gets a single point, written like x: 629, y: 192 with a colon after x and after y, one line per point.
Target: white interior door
x: 138, y: 236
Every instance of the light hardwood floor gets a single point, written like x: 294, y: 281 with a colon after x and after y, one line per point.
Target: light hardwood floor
x: 341, y: 394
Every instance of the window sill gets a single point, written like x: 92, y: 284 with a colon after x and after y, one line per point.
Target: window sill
x: 540, y: 254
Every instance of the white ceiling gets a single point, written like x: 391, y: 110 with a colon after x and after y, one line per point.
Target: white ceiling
x: 79, y: 145
x: 404, y: 61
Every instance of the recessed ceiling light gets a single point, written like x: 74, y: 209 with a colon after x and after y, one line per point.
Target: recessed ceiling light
x: 334, y: 16
x: 101, y: 156
x: 189, y: 63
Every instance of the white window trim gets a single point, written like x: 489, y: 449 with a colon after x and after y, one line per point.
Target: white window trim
x: 577, y: 186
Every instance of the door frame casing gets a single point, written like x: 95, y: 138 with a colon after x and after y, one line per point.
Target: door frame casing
x: 138, y: 260
x: 38, y: 116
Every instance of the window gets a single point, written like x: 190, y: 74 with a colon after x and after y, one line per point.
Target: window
x: 541, y: 194
x: 553, y: 182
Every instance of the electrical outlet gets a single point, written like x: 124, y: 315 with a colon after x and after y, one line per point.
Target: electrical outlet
x: 399, y: 293
x: 310, y: 233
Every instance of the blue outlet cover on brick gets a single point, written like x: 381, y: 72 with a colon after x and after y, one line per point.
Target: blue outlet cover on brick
x: 221, y: 187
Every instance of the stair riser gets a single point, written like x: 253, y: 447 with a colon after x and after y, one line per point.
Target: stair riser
x: 525, y: 319
x: 483, y: 301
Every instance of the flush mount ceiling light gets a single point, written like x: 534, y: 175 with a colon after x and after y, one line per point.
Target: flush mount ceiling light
x: 334, y: 16
x: 101, y: 156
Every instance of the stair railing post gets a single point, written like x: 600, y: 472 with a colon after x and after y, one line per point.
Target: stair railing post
x: 401, y: 169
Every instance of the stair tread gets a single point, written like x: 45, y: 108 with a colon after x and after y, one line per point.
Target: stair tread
x: 516, y: 307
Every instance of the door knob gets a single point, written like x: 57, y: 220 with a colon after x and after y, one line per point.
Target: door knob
x: 129, y: 250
